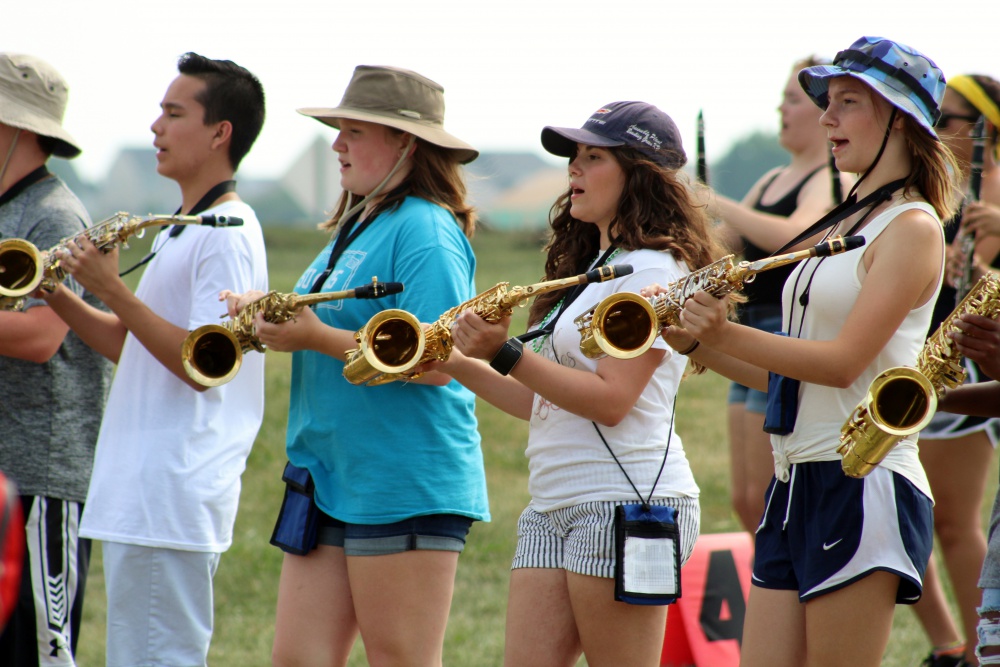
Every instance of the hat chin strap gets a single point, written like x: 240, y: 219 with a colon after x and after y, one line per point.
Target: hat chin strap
x: 10, y: 154
x: 885, y: 141
x: 346, y: 215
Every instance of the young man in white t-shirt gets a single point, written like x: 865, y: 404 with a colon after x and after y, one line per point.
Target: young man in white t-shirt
x: 166, y: 478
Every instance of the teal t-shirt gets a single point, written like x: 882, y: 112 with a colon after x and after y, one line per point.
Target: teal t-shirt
x: 382, y: 454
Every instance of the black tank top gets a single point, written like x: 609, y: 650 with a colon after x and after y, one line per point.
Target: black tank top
x: 945, y: 303
x: 766, y: 287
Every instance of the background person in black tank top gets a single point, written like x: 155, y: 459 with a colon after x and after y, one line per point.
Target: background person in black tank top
x: 956, y: 450
x: 781, y: 204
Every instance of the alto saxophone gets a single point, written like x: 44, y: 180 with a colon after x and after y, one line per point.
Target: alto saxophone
x: 901, y: 401
x: 212, y: 354
x: 393, y: 343
x: 24, y: 268
x: 624, y: 325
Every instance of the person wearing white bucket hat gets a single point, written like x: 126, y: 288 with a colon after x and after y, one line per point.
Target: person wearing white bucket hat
x: 835, y: 554
x: 395, y: 472
x: 55, y: 385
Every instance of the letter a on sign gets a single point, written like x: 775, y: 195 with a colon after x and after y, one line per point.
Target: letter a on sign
x: 705, y: 627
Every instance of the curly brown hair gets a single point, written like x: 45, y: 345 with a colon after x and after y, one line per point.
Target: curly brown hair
x: 656, y: 211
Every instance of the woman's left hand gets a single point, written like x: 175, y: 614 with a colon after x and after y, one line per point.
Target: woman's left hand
x: 475, y: 337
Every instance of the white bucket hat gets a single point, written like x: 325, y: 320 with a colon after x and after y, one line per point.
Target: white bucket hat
x: 33, y: 97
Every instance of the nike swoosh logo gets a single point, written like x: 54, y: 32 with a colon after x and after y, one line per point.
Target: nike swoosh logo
x: 827, y: 547
x: 756, y: 578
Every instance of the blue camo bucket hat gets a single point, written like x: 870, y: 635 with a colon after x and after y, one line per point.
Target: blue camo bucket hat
x: 908, y: 79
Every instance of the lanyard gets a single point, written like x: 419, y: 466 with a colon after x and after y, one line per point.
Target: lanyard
x: 345, y: 237
x: 23, y: 184
x: 569, y: 298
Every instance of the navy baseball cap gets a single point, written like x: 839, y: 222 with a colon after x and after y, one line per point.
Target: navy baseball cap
x: 635, y: 124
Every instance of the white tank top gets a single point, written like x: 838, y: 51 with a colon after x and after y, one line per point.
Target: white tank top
x: 824, y: 410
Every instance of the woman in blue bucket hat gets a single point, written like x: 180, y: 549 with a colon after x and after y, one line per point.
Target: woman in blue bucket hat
x: 834, y: 554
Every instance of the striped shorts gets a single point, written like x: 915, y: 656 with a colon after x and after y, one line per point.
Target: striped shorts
x: 43, y: 630
x: 581, y: 538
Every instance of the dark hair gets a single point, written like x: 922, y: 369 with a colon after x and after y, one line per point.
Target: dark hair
x: 231, y: 93
x: 655, y: 211
x: 435, y: 175
x: 48, y: 145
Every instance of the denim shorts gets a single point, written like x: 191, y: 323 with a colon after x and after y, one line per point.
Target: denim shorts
x: 766, y: 318
x: 434, y: 532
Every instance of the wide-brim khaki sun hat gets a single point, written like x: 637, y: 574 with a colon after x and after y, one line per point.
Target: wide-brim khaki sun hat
x: 397, y: 98
x: 33, y: 97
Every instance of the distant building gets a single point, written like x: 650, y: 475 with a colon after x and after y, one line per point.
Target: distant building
x: 511, y: 190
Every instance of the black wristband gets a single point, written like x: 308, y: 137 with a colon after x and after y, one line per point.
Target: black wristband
x: 690, y: 349
x: 507, y: 356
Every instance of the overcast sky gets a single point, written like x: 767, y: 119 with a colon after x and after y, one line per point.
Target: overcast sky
x: 508, y: 67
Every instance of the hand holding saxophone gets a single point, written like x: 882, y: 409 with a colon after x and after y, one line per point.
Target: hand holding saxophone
x: 624, y: 325
x: 477, y: 338
x: 212, y: 354
x: 393, y: 344
x: 24, y: 268
x: 95, y: 269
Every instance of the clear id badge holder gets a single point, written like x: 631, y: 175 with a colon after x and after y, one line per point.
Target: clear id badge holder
x: 647, y: 555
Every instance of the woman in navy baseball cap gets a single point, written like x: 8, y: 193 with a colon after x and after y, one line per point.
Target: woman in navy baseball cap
x: 600, y: 430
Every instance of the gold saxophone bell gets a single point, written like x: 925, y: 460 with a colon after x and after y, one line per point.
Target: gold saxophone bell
x: 392, y: 342
x: 21, y: 267
x: 901, y: 401
x: 212, y: 355
x: 625, y: 325
x: 622, y: 326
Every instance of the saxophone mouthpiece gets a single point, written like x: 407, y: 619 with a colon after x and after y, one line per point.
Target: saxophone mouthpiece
x: 603, y: 273
x: 221, y: 221
x: 837, y: 245
x: 377, y: 290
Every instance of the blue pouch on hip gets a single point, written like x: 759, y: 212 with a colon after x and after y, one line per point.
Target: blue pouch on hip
x: 782, y: 402
x: 298, y: 520
x: 647, y: 554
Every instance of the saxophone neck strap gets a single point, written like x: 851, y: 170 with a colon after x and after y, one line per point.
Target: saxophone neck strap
x: 345, y: 236
x: 570, y: 297
x: 27, y: 181
x: 849, y: 207
x: 219, y: 189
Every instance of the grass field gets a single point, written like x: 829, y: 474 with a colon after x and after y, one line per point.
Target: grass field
x: 246, y: 582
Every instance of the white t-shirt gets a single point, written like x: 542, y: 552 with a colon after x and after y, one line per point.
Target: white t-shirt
x: 568, y: 462
x: 824, y: 410
x: 169, y: 458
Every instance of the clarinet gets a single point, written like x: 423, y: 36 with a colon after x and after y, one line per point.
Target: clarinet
x: 967, y: 241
